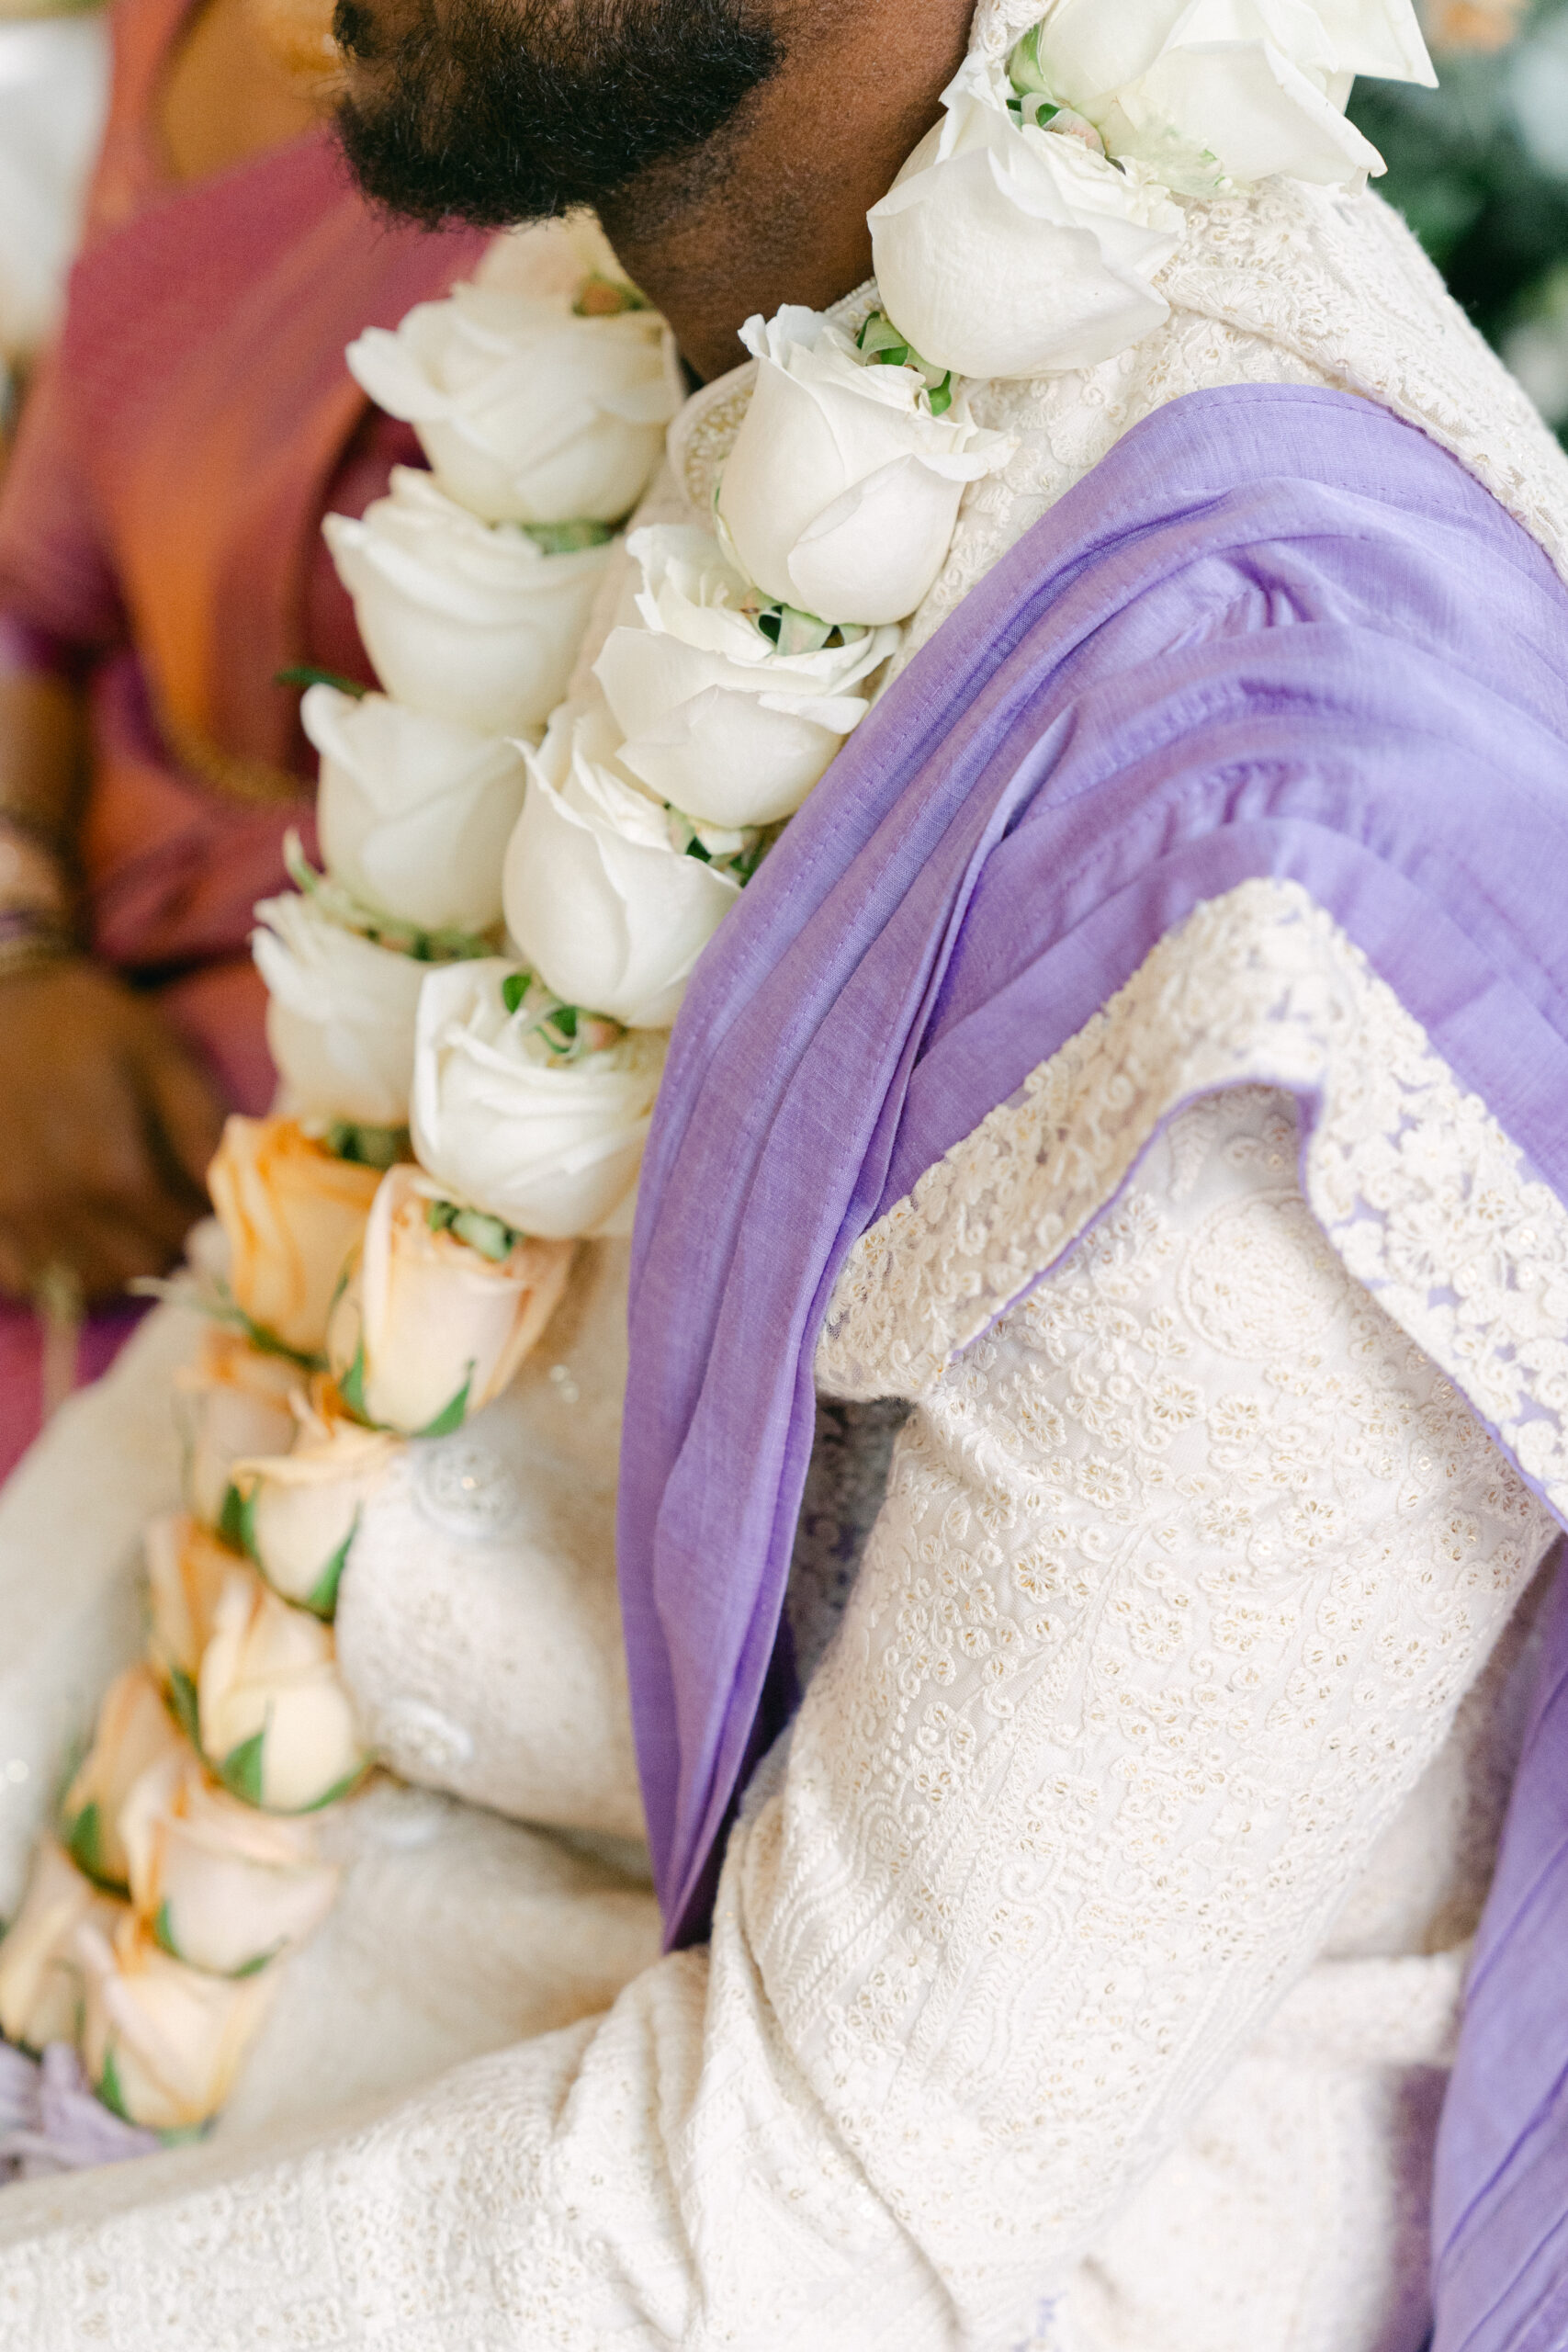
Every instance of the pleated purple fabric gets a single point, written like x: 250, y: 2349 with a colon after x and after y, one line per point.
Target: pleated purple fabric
x: 1275, y: 632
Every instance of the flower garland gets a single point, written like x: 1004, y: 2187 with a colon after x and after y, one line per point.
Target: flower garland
x: 468, y: 1008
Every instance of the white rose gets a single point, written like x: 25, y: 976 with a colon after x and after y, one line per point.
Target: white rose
x: 254, y: 1681
x: 162, y: 2043
x: 233, y: 1401
x: 135, y: 1731
x: 1005, y: 250
x: 432, y: 1328
x: 1217, y: 94
x: 413, y: 812
x: 222, y: 1886
x: 726, y: 723
x: 299, y: 1510
x: 610, y: 912
x: 550, y: 1146
x: 528, y: 412
x: 40, y: 1982
x: 463, y: 619
x: 842, y: 488
x: 340, y: 1025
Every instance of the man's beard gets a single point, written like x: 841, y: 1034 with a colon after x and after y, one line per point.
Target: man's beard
x: 496, y: 111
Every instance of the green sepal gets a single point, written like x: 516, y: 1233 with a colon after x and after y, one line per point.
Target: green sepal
x: 254, y: 1967
x: 84, y: 1844
x: 940, y: 397
x: 453, y: 1415
x: 339, y: 1789
x: 322, y: 1598
x: 185, y: 1706
x: 607, y: 298
x: 109, y: 2088
x: 491, y: 1236
x: 568, y: 539
x: 514, y: 989
x: 164, y: 1936
x: 1024, y: 69
x: 306, y: 674
x: 232, y: 1519
x: 366, y: 1147
x: 163, y: 1933
x: 242, y: 1770
x: 351, y: 1387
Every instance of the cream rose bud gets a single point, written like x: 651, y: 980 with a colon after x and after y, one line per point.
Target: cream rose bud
x: 1217, y: 94
x: 721, y: 718
x: 222, y: 1886
x: 611, y: 913
x: 842, y: 488
x: 1002, y: 249
x: 340, y: 1022
x: 527, y: 413
x: 234, y: 1400
x: 135, y: 1734
x: 299, y: 1510
x: 431, y: 1328
x: 464, y: 620
x: 291, y: 1212
x: 254, y: 1681
x: 40, y: 1982
x: 413, y: 812
x: 549, y: 1145
x: 161, y: 2042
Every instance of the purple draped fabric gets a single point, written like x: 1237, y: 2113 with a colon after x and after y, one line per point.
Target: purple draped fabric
x: 1275, y: 632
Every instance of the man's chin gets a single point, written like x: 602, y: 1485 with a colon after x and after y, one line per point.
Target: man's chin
x: 499, y: 111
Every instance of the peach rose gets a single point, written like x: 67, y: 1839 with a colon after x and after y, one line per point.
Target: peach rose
x: 291, y: 1213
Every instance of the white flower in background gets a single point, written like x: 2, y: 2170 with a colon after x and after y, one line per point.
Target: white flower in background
x: 413, y: 812
x: 1212, y: 95
x: 232, y: 1401
x: 222, y: 1886
x: 432, y: 1328
x: 162, y: 2044
x: 722, y: 715
x: 299, y: 1510
x: 608, y: 907
x: 843, y: 488
x: 550, y: 1146
x: 255, y: 1683
x: 527, y: 411
x: 291, y: 1212
x: 464, y: 620
x: 340, y: 1024
x: 135, y: 1733
x: 1002, y: 249
x: 40, y: 1982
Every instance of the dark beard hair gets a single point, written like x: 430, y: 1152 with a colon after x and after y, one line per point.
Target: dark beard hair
x: 499, y: 111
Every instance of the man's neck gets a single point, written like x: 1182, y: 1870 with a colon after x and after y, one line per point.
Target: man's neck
x: 780, y: 214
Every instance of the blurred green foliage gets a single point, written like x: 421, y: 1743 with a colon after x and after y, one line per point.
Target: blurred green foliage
x: 1479, y: 167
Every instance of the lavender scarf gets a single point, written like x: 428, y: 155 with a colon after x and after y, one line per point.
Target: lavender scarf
x: 1274, y: 632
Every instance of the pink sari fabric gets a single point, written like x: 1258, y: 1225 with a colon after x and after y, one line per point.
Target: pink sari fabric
x: 159, y: 537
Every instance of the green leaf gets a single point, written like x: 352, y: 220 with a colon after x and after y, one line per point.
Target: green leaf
x: 568, y: 539
x: 185, y: 1706
x: 306, y: 673
x: 242, y: 1770
x: 109, y: 2090
x: 322, y: 1598
x: 451, y: 1417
